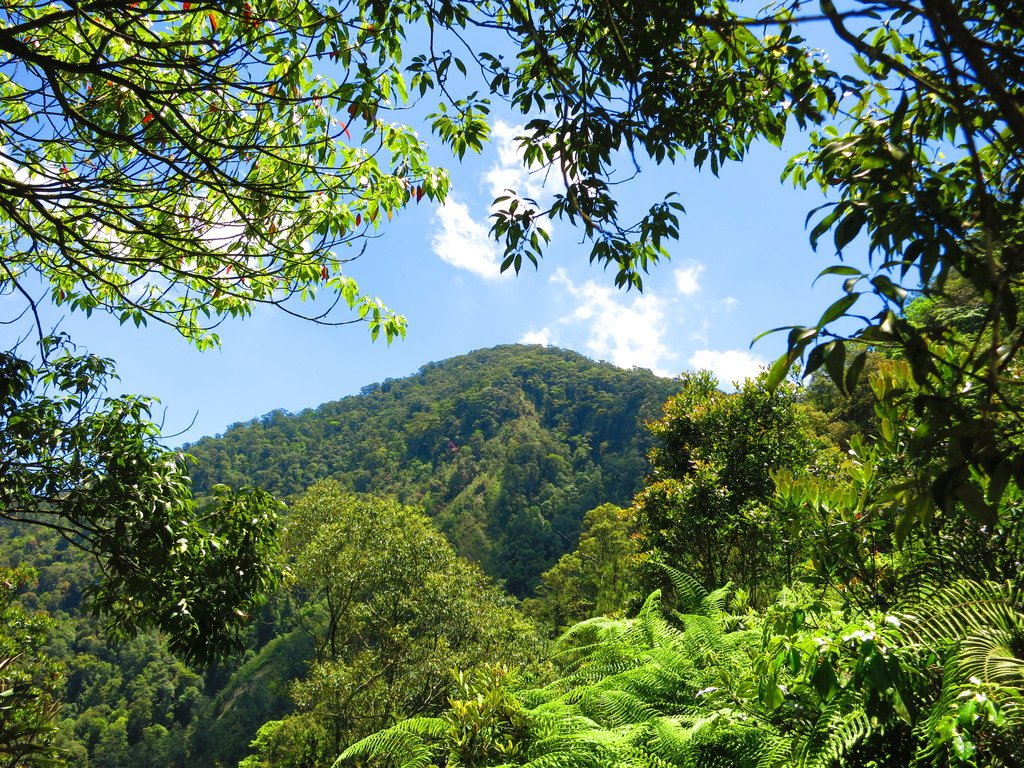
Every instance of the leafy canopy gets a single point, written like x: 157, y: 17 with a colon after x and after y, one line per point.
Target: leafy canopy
x: 90, y: 467
x: 184, y: 162
x: 392, y: 610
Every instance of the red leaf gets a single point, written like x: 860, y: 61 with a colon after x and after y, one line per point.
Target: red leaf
x: 419, y: 194
x: 323, y: 272
x: 353, y: 109
x: 213, y: 21
x: 186, y: 6
x: 147, y: 119
x: 344, y: 129
x: 359, y: 219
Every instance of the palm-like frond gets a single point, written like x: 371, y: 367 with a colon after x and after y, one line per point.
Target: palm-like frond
x: 841, y: 728
x: 402, y: 745
x: 990, y: 655
x: 683, y: 691
x: 948, y: 614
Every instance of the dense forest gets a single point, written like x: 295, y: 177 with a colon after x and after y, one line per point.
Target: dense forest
x: 765, y: 594
x: 519, y: 557
x: 505, y: 449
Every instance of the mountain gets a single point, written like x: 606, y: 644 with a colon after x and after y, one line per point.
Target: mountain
x: 505, y: 448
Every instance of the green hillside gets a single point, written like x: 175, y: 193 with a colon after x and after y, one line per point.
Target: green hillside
x: 505, y: 448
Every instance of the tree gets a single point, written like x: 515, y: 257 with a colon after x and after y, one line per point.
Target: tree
x: 29, y: 681
x: 803, y: 683
x: 599, y: 577
x: 392, y: 610
x: 917, y: 148
x: 705, y: 509
x: 91, y: 467
x: 868, y: 531
x: 181, y: 180
x: 180, y: 163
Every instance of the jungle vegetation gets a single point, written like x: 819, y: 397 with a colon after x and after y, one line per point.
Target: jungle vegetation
x: 179, y: 163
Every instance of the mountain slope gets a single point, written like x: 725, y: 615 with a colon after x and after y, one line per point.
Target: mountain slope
x: 506, y: 448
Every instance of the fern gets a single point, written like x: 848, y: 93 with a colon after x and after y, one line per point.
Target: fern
x: 840, y: 730
x: 397, y: 746
x: 811, y: 688
x: 948, y: 614
x: 615, y: 708
x: 988, y: 655
x: 775, y: 752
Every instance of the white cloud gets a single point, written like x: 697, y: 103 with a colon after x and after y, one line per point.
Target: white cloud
x: 543, y: 336
x: 464, y: 242
x: 730, y: 366
x: 700, y: 335
x: 729, y: 303
x: 625, y: 329
x: 509, y: 172
x: 687, y: 278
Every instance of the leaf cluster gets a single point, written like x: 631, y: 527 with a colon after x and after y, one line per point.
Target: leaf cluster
x: 90, y: 467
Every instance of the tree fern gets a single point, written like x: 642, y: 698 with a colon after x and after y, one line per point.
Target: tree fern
x: 841, y: 728
x: 809, y: 684
x: 948, y: 614
x: 397, y: 746
x: 976, y: 629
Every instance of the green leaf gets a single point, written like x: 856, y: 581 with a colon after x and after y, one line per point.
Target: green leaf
x: 835, y: 364
x: 778, y: 371
x: 849, y: 227
x: 840, y: 269
x: 838, y: 309
x: 824, y: 680
x: 853, y: 373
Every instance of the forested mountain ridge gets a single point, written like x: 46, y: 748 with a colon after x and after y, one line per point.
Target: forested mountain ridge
x: 505, y: 448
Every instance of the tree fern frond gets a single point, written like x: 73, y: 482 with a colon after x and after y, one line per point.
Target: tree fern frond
x: 672, y: 663
x: 654, y: 761
x: 650, y: 624
x: 583, y: 749
x: 557, y: 721
x: 729, y: 744
x: 615, y: 708
x: 432, y: 727
x: 714, y: 739
x: 590, y: 634
x: 988, y: 655
x: 701, y: 638
x: 716, y: 601
x: 689, y: 595
x: 671, y: 738
x: 953, y: 612
x: 842, y: 726
x: 600, y: 667
x: 775, y: 752
x: 666, y: 681
x: 394, y: 747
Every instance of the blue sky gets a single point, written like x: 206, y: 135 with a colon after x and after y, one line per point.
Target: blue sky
x: 742, y: 265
